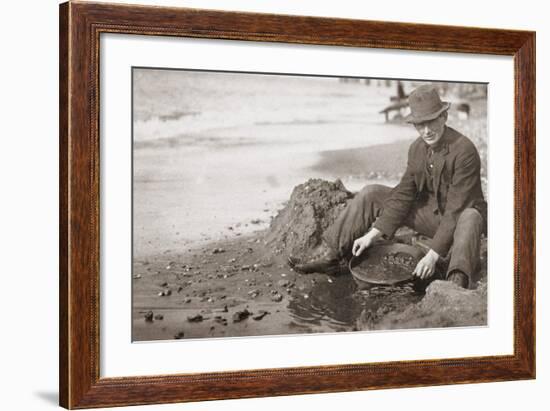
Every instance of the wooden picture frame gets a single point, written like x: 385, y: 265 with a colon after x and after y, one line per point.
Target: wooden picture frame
x: 80, y: 27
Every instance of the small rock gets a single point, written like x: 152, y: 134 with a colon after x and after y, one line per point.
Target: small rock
x: 277, y: 297
x: 159, y: 317
x: 256, y: 221
x: 149, y: 316
x: 179, y: 335
x: 283, y: 283
x: 241, y: 315
x: 218, y: 251
x: 232, y: 260
x: 260, y: 315
x: 195, y: 319
x: 165, y: 293
x: 137, y: 276
x: 164, y: 284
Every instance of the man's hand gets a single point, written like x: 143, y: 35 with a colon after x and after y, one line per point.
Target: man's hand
x: 365, y: 242
x: 426, y: 267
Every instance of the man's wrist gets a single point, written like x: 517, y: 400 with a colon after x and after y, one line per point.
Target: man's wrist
x: 432, y: 255
x: 374, y: 233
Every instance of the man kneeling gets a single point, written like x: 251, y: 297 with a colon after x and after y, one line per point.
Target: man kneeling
x: 439, y: 196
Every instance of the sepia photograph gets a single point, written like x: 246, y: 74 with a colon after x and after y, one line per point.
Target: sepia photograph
x: 277, y: 204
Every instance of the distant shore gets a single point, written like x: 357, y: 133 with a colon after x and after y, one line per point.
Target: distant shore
x: 384, y: 161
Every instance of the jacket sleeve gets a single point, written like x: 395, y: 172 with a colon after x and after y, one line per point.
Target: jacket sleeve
x: 399, y: 203
x: 465, y: 178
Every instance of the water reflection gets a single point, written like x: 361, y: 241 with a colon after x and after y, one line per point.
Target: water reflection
x: 338, y: 304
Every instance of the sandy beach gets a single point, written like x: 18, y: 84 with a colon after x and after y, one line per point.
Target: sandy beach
x: 204, y: 200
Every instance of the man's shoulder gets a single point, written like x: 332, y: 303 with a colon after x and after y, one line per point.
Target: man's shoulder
x: 458, y: 142
x: 416, y: 144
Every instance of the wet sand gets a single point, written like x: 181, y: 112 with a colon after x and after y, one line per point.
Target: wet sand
x: 239, y: 288
x: 210, y: 287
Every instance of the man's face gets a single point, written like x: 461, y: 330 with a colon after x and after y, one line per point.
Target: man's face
x: 431, y: 131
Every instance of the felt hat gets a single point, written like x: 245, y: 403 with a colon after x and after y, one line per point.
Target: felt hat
x: 425, y: 105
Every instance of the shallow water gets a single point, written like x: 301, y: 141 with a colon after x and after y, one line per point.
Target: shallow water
x: 338, y: 305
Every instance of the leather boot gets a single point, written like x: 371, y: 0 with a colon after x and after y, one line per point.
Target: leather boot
x: 459, y: 278
x: 324, y: 260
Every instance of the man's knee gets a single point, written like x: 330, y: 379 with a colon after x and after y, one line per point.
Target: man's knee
x: 470, y: 223
x: 470, y: 217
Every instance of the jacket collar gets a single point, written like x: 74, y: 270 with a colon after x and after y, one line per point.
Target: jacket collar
x: 439, y: 161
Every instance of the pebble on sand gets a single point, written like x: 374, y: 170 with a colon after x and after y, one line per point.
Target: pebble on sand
x: 260, y: 315
x: 241, y: 315
x: 195, y: 318
x: 277, y: 297
x: 283, y: 283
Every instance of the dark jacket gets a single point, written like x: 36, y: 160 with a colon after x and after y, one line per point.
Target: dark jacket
x: 456, y: 184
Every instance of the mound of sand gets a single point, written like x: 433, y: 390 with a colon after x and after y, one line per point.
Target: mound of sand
x: 313, y: 206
